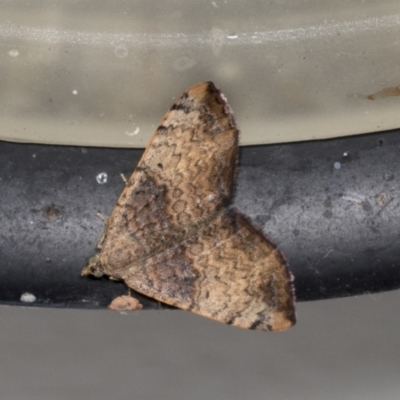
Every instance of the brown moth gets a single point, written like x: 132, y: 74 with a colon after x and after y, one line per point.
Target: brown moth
x: 172, y: 235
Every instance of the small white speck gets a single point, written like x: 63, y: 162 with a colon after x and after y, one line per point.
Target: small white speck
x: 233, y: 36
x: 31, y: 222
x: 354, y: 197
x: 13, y: 53
x: 134, y: 133
x: 101, y: 178
x: 210, y: 197
x: 214, y: 4
x: 27, y: 297
x: 345, y: 154
x: 337, y: 165
x: 74, y: 92
x: 34, y: 155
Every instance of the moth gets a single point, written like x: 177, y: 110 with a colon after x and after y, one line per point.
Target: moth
x: 174, y: 236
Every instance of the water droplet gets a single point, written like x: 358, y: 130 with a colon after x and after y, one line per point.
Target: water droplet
x: 101, y: 178
x: 27, y: 297
x: 121, y: 51
x: 134, y: 133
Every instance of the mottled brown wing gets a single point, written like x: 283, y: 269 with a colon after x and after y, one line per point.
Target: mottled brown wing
x: 184, y: 177
x: 227, y: 270
x: 171, y: 236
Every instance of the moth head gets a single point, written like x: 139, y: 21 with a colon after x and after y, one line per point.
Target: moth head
x: 94, y: 267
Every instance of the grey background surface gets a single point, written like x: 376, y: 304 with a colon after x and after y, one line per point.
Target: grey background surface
x: 340, y: 349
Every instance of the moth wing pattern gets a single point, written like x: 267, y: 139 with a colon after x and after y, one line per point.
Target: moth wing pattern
x: 185, y: 175
x: 171, y: 235
x: 228, y: 271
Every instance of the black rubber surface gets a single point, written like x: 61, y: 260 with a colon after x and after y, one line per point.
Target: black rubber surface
x: 333, y: 207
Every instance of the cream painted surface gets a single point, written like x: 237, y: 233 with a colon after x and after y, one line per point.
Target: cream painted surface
x: 104, y: 73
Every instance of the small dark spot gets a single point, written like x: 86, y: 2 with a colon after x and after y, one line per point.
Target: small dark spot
x: 367, y: 206
x: 261, y: 220
x: 255, y: 324
x: 328, y: 214
x: 181, y: 107
x: 185, y: 96
x: 230, y: 321
x: 296, y: 232
x: 388, y: 177
x: 51, y: 212
x: 380, y: 143
x: 374, y: 229
x: 162, y: 129
x: 159, y: 165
